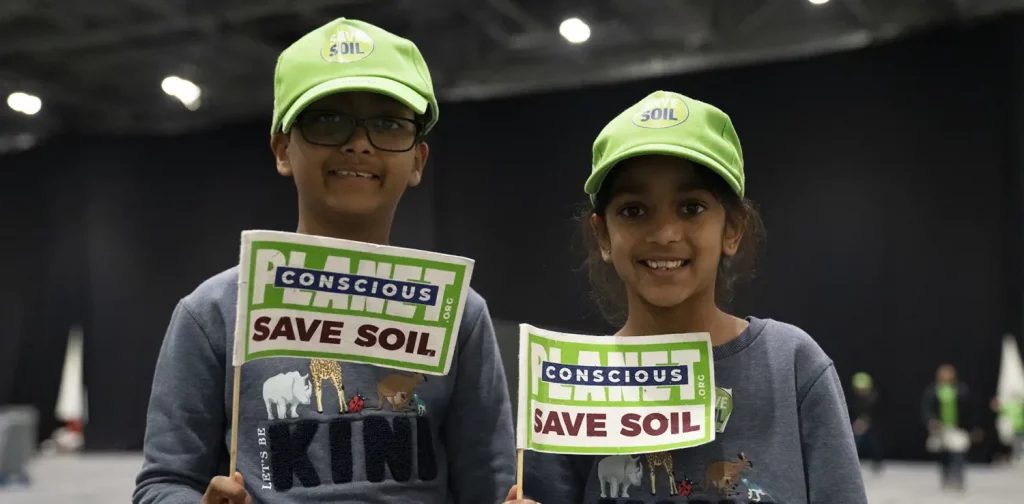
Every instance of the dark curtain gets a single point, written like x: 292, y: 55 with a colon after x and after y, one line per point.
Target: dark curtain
x: 1014, y: 137
x: 42, y: 290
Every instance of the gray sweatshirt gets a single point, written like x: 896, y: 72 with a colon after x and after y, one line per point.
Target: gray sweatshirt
x: 295, y: 443
x: 785, y: 438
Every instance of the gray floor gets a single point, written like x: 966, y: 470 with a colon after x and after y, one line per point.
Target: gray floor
x: 109, y: 479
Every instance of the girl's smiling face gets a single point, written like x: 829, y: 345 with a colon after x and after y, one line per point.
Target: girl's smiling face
x: 664, y: 230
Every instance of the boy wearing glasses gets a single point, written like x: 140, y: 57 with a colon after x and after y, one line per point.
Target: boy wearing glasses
x: 352, y: 106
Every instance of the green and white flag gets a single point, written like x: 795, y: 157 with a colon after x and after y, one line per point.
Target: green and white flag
x: 608, y: 395
x: 316, y: 297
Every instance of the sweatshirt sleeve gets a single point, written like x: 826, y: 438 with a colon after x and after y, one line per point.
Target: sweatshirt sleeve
x: 832, y: 469
x: 478, y: 427
x: 184, y: 442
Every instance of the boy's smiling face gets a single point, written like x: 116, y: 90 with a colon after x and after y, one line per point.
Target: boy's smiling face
x: 355, y: 180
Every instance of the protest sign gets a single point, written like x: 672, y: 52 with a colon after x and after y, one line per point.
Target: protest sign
x: 317, y: 297
x: 608, y: 395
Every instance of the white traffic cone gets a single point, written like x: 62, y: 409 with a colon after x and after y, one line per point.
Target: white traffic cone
x: 1009, y: 390
x: 72, y: 409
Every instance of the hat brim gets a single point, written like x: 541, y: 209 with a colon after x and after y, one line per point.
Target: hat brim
x: 404, y: 94
x: 593, y: 184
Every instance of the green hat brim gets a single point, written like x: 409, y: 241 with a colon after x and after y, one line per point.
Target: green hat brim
x: 404, y: 94
x: 593, y: 184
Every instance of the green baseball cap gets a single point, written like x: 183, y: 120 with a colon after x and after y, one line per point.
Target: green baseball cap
x: 350, y: 55
x: 670, y: 124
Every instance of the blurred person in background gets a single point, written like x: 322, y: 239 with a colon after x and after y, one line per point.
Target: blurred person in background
x: 863, y: 406
x: 1010, y: 424
x: 946, y: 412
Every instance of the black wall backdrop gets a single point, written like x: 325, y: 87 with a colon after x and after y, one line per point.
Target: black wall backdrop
x: 889, y: 180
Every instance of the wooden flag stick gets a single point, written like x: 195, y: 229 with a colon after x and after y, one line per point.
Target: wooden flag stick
x: 234, y: 421
x: 519, y: 474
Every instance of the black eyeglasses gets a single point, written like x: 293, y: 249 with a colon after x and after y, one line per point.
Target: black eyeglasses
x: 333, y: 129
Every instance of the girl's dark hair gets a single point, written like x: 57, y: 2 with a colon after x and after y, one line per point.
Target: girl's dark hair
x: 607, y: 288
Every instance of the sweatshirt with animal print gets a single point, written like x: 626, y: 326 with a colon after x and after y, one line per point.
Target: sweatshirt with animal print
x: 312, y: 430
x: 783, y: 436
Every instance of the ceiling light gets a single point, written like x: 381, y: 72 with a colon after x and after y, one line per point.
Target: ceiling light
x: 818, y: 2
x: 574, y: 30
x: 24, y: 103
x: 184, y: 90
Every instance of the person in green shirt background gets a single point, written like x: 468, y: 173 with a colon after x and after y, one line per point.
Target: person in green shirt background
x: 863, y: 406
x: 1011, y: 418
x: 947, y: 414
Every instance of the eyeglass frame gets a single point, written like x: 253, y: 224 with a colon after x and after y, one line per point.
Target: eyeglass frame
x: 360, y: 122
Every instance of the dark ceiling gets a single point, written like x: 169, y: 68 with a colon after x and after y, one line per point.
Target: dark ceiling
x: 98, y: 65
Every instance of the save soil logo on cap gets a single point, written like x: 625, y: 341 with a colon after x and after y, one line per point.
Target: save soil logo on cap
x: 346, y: 45
x: 663, y: 111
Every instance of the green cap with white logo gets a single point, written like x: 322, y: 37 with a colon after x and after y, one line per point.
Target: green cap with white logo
x: 350, y: 55
x: 674, y: 125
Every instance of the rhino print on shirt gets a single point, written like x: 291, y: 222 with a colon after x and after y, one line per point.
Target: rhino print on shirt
x: 618, y: 473
x: 287, y: 391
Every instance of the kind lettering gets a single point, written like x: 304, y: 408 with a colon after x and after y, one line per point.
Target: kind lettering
x: 388, y: 448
